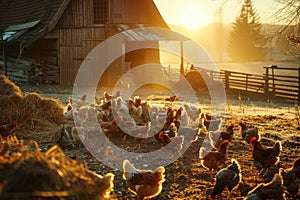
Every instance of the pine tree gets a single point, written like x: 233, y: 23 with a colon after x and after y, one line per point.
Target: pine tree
x: 246, y: 42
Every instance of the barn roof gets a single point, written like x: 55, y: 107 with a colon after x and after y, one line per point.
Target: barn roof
x: 141, y: 33
x: 23, y: 22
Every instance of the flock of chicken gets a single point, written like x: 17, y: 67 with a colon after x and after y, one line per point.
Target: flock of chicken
x: 138, y: 119
x: 267, y: 157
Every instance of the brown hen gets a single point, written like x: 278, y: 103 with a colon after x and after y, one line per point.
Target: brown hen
x: 266, y: 156
x: 217, y: 138
x: 214, y: 159
x: 143, y: 183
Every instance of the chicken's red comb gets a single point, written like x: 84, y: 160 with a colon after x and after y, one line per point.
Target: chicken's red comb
x: 252, y: 139
x: 226, y: 142
x: 161, y: 133
x: 15, y: 123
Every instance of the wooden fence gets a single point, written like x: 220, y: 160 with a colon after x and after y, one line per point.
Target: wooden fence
x: 276, y: 82
x: 271, y: 84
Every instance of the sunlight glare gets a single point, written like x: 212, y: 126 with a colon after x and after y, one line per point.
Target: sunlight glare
x: 192, y: 17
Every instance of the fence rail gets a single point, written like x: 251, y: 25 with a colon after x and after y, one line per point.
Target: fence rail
x: 270, y: 84
x: 275, y: 82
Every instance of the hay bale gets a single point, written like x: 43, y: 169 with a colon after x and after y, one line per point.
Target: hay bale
x: 28, y: 173
x: 41, y: 112
x: 10, y: 99
x: 197, y: 80
x: 10, y: 109
x: 34, y: 113
x: 8, y: 88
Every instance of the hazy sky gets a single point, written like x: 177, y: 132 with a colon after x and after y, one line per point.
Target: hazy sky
x: 186, y: 11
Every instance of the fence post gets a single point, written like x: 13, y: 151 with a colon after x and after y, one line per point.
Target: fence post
x: 247, y: 82
x: 267, y: 82
x: 299, y: 86
x: 227, y: 74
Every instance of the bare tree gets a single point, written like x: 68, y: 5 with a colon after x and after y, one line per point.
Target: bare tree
x: 289, y: 15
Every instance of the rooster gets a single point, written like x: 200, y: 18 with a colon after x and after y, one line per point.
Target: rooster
x: 248, y: 133
x: 143, y: 183
x: 266, y: 156
x: 217, y: 138
x: 7, y: 129
x: 272, y: 190
x: 213, y: 159
x: 229, y: 177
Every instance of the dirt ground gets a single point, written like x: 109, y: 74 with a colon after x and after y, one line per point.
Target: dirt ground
x: 186, y: 178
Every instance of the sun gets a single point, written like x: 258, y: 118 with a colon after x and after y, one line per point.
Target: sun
x: 192, y: 17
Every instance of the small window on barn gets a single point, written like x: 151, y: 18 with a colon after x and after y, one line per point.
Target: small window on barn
x: 100, y: 11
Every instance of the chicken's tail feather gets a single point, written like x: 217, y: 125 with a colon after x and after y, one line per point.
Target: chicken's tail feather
x: 235, y: 162
x: 160, y: 173
x: 218, y: 189
x: 129, y: 169
x: 277, y: 148
x: 297, y: 164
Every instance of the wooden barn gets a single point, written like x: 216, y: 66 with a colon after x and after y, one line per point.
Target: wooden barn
x: 56, y: 36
